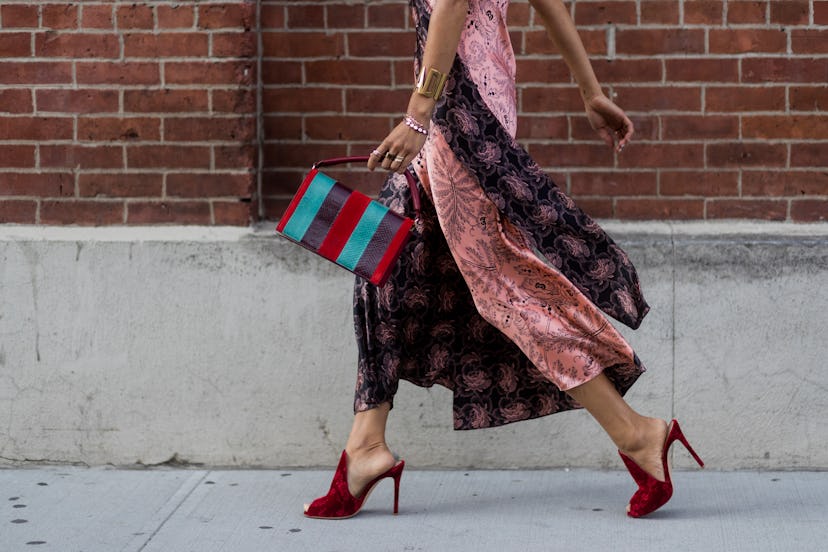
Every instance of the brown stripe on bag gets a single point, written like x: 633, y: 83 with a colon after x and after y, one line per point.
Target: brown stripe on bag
x: 324, y: 219
x: 387, y: 229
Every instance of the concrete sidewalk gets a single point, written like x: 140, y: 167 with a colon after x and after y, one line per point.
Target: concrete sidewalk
x: 73, y: 509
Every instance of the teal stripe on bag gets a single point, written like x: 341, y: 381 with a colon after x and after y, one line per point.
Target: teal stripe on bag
x: 361, y: 236
x: 308, y: 206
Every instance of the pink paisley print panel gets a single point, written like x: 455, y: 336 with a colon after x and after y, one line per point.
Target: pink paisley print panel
x: 558, y: 328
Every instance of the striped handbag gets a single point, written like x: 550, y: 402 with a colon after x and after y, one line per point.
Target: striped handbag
x: 345, y: 226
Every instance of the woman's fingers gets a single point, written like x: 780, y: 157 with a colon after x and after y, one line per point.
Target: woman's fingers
x: 397, y: 150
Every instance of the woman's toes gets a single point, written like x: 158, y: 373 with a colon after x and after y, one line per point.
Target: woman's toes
x: 306, y: 506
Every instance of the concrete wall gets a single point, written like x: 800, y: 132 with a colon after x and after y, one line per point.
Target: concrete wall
x: 229, y: 346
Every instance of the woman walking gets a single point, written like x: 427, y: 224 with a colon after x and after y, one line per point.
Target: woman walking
x: 502, y: 294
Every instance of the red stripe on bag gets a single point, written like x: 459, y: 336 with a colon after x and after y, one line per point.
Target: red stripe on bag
x: 296, y: 199
x: 382, y: 272
x: 344, y: 224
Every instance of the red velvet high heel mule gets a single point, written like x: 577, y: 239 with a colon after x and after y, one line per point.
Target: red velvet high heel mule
x: 652, y: 494
x: 339, y: 503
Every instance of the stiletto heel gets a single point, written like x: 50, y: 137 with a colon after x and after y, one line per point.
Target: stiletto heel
x: 652, y: 494
x: 339, y: 503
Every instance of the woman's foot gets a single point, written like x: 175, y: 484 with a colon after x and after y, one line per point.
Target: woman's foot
x: 365, y: 464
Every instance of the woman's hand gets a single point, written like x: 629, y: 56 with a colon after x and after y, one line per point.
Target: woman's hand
x: 398, y: 149
x: 610, y: 121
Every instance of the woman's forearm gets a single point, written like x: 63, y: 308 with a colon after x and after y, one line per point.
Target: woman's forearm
x: 444, y: 32
x: 562, y: 31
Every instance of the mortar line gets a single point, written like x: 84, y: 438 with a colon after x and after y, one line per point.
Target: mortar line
x: 260, y: 138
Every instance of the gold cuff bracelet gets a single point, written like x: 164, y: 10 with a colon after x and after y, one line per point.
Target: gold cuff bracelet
x: 431, y: 83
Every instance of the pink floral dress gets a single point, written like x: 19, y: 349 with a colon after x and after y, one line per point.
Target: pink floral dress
x: 502, y: 295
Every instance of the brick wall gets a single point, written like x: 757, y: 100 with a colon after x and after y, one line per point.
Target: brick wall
x: 127, y: 112
x: 146, y: 112
x: 730, y: 99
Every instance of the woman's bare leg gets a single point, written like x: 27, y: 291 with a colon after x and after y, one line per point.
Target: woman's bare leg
x: 368, y: 453
x: 639, y: 437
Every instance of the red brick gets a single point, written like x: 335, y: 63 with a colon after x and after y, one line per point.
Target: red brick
x: 702, y: 70
x: 741, y: 154
x: 659, y: 11
x: 236, y: 157
x: 519, y: 14
x: 117, y: 73
x: 82, y: 212
x: 784, y: 183
x: 553, y: 127
x: 234, y: 45
x: 660, y: 41
x: 59, y: 16
x: 737, y: 41
x: 214, y: 72
x: 15, y: 100
x: 308, y: 16
x: 703, y: 12
x: 747, y: 208
x: 106, y: 129
x: 168, y: 156
x: 240, y: 100
x: 273, y: 17
x: 14, y: 211
x: 659, y: 209
x: 302, y: 155
x: 82, y: 157
x: 785, y: 69
x: 233, y: 213
x: 149, y: 45
x: 809, y: 98
x: 538, y: 42
x: 14, y: 72
x: 274, y: 208
x: 809, y: 210
x: 619, y: 70
x: 205, y: 129
x: 646, y: 128
x: 19, y: 16
x: 168, y: 212
x: 545, y: 99
x: 120, y: 185
x: 359, y: 72
x: 787, y: 12
x: 375, y: 101
x: 703, y: 127
x: 302, y: 100
x: 77, y: 101
x: 284, y: 72
x: 699, y: 183
x: 731, y: 99
x: 201, y: 185
x: 37, y: 185
x: 596, y: 208
x: 657, y: 98
x: 746, y: 12
x: 17, y: 156
x: 283, y: 127
x: 36, y: 128
x: 165, y: 100
x: 541, y: 70
x: 224, y: 16
x: 798, y: 127
x: 809, y: 41
x: 383, y: 16
x: 571, y: 155
x: 135, y: 16
x: 600, y: 13
x: 175, y: 16
x: 375, y: 44
x: 614, y: 183
x: 15, y: 44
x: 639, y: 155
x: 820, y: 12
x: 76, y: 45
x: 97, y: 17
x: 809, y: 155
x: 341, y: 127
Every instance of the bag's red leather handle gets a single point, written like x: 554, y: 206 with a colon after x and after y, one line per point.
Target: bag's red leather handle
x: 412, y: 184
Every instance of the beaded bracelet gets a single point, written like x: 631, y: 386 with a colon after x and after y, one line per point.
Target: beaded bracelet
x: 414, y: 124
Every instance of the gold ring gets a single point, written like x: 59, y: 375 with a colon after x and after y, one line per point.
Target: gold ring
x: 389, y: 155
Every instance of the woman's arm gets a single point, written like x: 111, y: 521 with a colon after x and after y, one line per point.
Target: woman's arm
x: 606, y: 118
x: 444, y: 32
